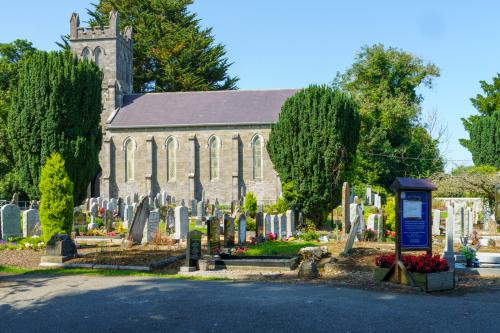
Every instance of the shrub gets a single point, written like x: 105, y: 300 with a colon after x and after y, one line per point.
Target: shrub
x: 251, y: 203
x: 56, y: 204
x: 309, y: 236
x: 390, y: 211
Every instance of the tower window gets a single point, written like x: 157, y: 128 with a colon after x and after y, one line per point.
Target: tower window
x: 86, y: 53
x: 214, y: 154
x: 98, y: 57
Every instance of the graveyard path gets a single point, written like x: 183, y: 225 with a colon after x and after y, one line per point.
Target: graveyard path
x: 83, y: 303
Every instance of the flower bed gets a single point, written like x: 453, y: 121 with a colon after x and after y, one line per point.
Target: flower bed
x: 431, y: 273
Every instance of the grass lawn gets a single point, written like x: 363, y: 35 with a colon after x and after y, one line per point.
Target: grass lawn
x: 277, y: 248
x: 192, y: 226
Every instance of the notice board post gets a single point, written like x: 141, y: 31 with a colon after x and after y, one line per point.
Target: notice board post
x: 413, y: 221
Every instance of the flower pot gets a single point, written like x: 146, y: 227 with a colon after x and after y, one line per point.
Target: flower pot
x: 426, y: 281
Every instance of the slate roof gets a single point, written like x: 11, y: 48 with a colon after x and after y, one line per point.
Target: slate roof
x: 228, y: 107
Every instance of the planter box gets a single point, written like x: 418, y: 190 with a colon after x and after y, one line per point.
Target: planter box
x: 426, y: 281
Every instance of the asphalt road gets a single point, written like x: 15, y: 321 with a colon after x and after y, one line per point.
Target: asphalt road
x: 138, y: 304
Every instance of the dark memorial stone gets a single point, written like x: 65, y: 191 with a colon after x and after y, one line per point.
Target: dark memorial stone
x: 193, y: 248
x: 141, y: 215
x: 59, y: 246
x: 213, y: 235
x: 259, y: 221
x: 229, y: 231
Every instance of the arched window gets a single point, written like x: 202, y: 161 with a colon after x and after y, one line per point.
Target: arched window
x: 86, y: 53
x: 171, y: 158
x: 98, y: 57
x: 257, y: 157
x: 130, y: 148
x: 214, y: 146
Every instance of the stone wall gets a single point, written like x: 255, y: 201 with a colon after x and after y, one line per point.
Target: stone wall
x: 192, y: 163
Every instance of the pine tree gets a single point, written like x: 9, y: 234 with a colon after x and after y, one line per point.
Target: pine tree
x: 171, y: 51
x: 312, y: 146
x: 56, y: 204
x: 56, y: 108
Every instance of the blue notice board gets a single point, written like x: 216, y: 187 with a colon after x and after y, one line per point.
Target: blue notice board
x: 414, y: 219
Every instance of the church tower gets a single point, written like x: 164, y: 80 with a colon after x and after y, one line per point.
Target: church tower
x: 111, y: 50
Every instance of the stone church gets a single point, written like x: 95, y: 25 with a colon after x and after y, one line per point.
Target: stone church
x: 188, y: 144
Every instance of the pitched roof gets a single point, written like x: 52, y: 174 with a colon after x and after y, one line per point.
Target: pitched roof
x: 228, y: 107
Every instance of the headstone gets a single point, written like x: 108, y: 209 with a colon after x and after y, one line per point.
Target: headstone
x: 352, y: 235
x: 216, y: 208
x: 228, y: 231
x: 369, y: 196
x: 158, y: 203
x: 259, y: 222
x: 169, y: 199
x: 346, y: 222
x: 200, y: 209
x: 213, y: 235
x: 275, y: 225
x: 181, y: 222
x: 193, y: 250
x: 100, y: 201
x: 128, y: 200
x: 136, y: 229
x: 128, y: 215
x: 170, y: 220
x: 449, y: 253
x: 151, y: 229
x: 371, y: 222
x: 93, y: 201
x: 267, y: 224
x: 173, y: 200
x: 459, y: 220
x: 282, y: 218
x: 378, y: 201
x: 163, y: 198
x: 31, y: 223
x: 107, y: 219
x: 136, y: 197
x: 94, y: 209
x: 194, y: 212
x: 150, y: 201
x: 290, y: 223
x: 11, y: 221
x: 111, y: 206
x: 183, y: 203
x: 242, y: 229
x: 59, y: 249
x: 436, y: 220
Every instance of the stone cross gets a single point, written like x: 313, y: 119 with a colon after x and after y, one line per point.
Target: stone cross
x: 181, y: 222
x: 11, y: 218
x: 94, y: 209
x: 436, y: 220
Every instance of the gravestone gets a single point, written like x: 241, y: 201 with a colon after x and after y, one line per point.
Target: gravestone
x: 181, y: 222
x: 183, y: 203
x: 94, y: 209
x: 193, y: 251
x: 93, y: 201
x: 136, y: 197
x: 169, y: 199
x: 128, y: 200
x: 31, y: 223
x: 200, y: 209
x: 352, y: 235
x: 158, y: 202
x: 449, y: 253
x: 104, y: 204
x: 242, y: 229
x: 170, y: 220
x: 283, y: 223
x: 151, y: 229
x: 11, y: 221
x: 59, y: 249
x: 111, y: 207
x: 267, y: 224
x: 259, y: 222
x: 436, y: 220
x: 371, y: 222
x: 459, y: 220
x: 290, y: 223
x: 275, y: 225
x: 194, y: 212
x: 136, y: 230
x: 128, y: 215
x: 229, y: 231
x: 79, y: 220
x: 369, y: 196
x: 108, y: 220
x: 216, y: 208
x: 213, y: 235
x: 378, y: 201
x: 163, y: 198
x: 346, y: 222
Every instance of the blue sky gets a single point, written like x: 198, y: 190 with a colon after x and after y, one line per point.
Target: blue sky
x: 293, y: 43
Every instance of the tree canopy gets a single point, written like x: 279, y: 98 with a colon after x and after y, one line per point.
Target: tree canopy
x: 393, y: 140
x: 56, y: 107
x: 312, y: 146
x: 171, y: 51
x: 10, y: 56
x: 484, y: 128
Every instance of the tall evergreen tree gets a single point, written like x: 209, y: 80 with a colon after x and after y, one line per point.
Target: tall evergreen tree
x: 10, y: 56
x: 393, y: 140
x: 484, y: 129
x: 312, y: 146
x: 171, y: 51
x: 56, y: 107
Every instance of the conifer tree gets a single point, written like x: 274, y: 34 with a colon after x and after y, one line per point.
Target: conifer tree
x: 312, y: 146
x: 56, y: 107
x: 56, y: 204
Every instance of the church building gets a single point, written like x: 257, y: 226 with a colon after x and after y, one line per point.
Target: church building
x: 188, y: 144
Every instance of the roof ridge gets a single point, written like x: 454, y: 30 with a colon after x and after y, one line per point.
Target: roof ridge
x: 212, y: 91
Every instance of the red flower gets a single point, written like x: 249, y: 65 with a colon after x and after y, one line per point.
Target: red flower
x: 422, y: 263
